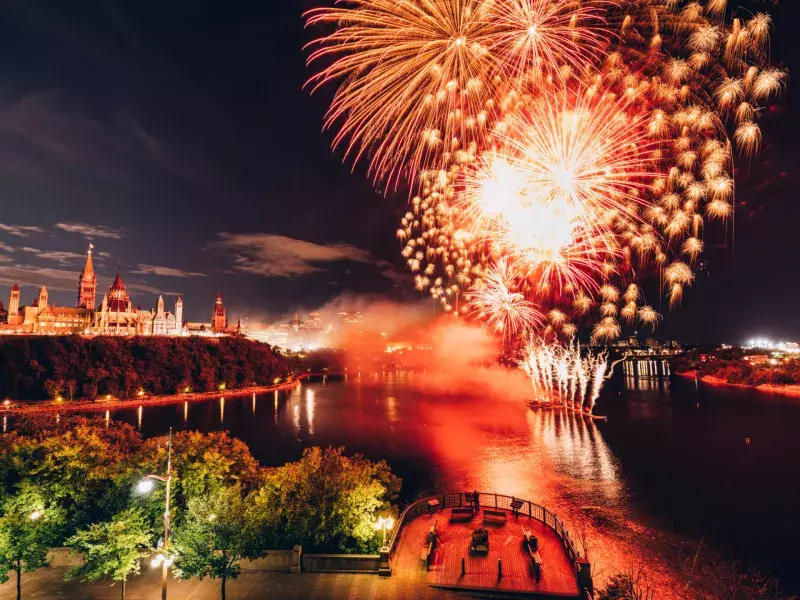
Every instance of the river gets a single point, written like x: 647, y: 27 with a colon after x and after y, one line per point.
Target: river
x: 672, y: 461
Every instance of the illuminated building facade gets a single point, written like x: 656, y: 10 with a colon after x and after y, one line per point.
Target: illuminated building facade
x: 219, y: 318
x: 116, y: 314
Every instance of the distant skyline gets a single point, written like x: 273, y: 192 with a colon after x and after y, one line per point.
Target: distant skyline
x: 178, y: 139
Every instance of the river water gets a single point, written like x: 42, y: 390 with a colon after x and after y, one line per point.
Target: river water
x: 672, y: 461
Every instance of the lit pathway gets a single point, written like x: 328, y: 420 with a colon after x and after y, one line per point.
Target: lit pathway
x: 48, y: 584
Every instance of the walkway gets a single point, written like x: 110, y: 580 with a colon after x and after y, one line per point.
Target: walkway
x: 48, y: 584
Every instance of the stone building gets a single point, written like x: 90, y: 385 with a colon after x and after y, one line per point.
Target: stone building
x: 116, y: 314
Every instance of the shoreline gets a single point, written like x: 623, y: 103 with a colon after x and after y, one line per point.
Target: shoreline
x: 37, y: 406
x: 791, y: 390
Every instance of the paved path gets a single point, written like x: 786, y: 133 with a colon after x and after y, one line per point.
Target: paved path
x: 48, y: 584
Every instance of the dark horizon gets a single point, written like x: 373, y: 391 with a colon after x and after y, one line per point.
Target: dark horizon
x: 179, y: 140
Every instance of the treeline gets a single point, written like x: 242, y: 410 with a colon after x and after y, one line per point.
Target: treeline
x: 731, y: 367
x: 75, y: 482
x: 37, y: 368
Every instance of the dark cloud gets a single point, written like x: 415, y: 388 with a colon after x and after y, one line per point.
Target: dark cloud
x: 20, y: 230
x: 61, y: 257
x: 280, y: 256
x: 164, y: 271
x: 91, y: 231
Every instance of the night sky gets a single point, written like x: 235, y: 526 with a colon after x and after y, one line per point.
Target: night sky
x: 176, y: 136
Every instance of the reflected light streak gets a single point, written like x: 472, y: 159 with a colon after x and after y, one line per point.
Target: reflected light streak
x: 310, y: 408
x: 139, y: 413
x: 391, y: 409
x: 296, y: 419
x: 221, y: 410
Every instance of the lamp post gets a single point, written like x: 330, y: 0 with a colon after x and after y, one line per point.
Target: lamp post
x: 145, y: 486
x: 384, y: 524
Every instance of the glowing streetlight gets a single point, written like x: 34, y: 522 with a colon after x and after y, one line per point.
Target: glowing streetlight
x: 146, y: 486
x: 35, y: 515
x: 161, y: 560
x: 384, y: 524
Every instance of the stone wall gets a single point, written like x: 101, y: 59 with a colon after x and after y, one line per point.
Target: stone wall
x: 342, y: 563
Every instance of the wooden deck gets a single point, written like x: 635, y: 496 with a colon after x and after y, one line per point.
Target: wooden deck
x: 558, y: 578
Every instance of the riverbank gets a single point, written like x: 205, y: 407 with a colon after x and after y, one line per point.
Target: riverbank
x: 792, y: 390
x: 38, y: 406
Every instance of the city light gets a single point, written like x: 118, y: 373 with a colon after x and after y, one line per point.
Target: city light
x: 35, y: 515
x: 763, y: 343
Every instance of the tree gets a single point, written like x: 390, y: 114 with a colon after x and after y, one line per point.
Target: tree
x: 216, y: 534
x: 631, y: 585
x: 327, y: 500
x: 113, y: 548
x: 26, y: 531
x: 203, y: 463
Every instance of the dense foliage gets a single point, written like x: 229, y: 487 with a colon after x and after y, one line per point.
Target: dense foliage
x: 85, y: 472
x: 324, y: 360
x: 740, y: 368
x: 36, y: 368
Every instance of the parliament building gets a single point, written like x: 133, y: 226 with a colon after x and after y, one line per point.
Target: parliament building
x: 115, y: 315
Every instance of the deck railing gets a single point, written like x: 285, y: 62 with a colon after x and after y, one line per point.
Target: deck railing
x: 488, y: 500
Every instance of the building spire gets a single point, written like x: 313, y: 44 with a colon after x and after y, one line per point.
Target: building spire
x: 87, y: 283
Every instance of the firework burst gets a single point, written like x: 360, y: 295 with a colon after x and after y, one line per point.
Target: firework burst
x: 556, y: 149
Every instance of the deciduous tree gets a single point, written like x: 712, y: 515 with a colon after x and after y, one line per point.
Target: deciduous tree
x: 217, y: 532
x: 114, y: 548
x: 27, y: 525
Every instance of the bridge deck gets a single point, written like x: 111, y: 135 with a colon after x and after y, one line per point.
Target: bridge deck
x: 558, y: 576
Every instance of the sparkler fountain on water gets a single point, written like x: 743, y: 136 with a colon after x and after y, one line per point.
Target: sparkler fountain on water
x: 564, y: 376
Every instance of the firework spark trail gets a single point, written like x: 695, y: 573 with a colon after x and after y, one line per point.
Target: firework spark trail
x: 564, y: 374
x: 419, y: 79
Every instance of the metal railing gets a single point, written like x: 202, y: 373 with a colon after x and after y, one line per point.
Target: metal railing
x: 488, y: 500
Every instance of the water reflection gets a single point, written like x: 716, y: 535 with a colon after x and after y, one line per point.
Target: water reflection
x: 575, y: 444
x: 222, y: 410
x: 310, y: 406
x: 185, y: 412
x: 296, y: 419
x: 650, y: 384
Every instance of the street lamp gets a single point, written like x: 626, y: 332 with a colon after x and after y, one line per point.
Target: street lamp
x: 35, y: 515
x: 385, y: 524
x: 145, y: 486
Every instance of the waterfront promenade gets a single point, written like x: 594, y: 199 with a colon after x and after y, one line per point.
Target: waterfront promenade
x: 48, y: 584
